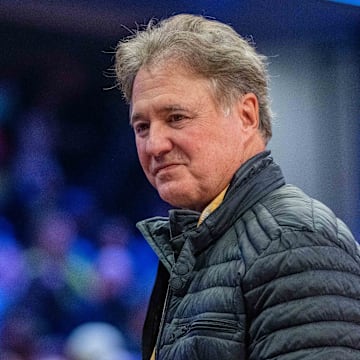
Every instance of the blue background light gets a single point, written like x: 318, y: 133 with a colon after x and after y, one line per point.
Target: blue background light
x: 347, y: 2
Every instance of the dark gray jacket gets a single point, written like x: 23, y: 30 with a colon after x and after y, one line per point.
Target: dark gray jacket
x: 270, y: 274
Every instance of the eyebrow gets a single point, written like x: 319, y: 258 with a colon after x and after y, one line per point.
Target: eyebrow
x: 165, y: 109
x: 135, y: 117
x: 174, y: 107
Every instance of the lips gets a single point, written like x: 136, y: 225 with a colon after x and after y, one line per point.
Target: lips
x: 158, y: 168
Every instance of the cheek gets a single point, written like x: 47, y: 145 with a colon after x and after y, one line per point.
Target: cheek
x: 145, y: 165
x: 143, y: 158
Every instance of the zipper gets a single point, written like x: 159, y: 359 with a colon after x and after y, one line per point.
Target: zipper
x: 162, y: 321
x: 223, y: 325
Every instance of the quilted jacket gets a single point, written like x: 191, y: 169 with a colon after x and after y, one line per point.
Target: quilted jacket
x: 270, y: 274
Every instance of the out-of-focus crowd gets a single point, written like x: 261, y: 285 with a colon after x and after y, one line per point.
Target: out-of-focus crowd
x: 75, y: 276
x: 61, y: 282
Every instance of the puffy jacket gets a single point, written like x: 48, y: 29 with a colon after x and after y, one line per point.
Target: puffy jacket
x: 270, y: 274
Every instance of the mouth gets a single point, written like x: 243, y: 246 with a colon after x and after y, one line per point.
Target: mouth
x: 161, y: 168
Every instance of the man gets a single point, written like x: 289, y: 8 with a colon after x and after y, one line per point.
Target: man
x: 250, y: 267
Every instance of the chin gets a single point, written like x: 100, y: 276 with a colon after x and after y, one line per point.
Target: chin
x: 179, y: 195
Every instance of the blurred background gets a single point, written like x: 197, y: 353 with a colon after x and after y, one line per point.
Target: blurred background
x: 75, y: 275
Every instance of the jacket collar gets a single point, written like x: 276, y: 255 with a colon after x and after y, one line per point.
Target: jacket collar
x: 255, y: 179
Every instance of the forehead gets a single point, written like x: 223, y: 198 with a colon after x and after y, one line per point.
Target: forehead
x: 169, y: 86
x: 169, y: 76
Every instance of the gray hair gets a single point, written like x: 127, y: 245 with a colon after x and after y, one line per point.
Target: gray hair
x: 208, y: 48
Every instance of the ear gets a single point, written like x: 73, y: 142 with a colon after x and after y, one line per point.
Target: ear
x: 248, y: 111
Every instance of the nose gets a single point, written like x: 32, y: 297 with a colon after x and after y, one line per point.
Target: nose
x: 158, y: 142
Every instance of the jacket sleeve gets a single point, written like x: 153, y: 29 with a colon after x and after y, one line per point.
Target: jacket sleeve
x: 302, y: 296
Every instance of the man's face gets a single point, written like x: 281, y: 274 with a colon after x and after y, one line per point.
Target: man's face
x: 188, y: 148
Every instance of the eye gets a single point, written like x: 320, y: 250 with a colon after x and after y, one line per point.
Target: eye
x: 176, y: 118
x: 140, y: 128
